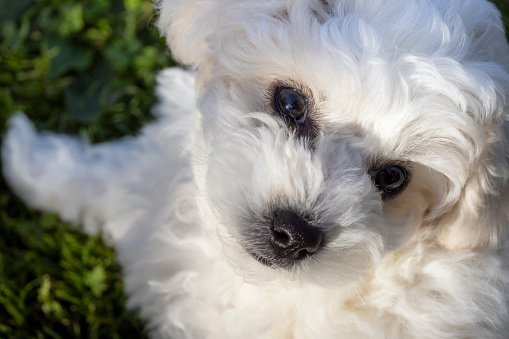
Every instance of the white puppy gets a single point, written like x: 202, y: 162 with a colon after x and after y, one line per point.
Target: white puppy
x: 335, y: 169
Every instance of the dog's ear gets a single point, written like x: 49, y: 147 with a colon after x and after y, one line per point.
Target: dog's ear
x: 185, y: 25
x: 480, y: 217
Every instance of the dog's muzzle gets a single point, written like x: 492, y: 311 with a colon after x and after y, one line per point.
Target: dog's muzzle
x: 291, y: 239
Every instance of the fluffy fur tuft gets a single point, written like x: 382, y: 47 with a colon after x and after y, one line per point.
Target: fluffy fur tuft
x: 190, y: 205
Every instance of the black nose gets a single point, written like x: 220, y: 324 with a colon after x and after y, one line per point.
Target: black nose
x: 293, y: 238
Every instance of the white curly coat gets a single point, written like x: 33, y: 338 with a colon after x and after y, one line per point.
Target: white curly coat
x: 423, y: 83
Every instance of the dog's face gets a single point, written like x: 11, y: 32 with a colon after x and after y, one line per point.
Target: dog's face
x: 332, y: 131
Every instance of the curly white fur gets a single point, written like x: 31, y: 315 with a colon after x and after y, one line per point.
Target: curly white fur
x: 419, y: 82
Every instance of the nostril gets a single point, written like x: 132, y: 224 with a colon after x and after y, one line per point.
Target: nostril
x: 281, y: 237
x: 293, y: 238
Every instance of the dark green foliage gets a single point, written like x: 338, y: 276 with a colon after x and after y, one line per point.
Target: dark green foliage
x: 77, y: 67
x: 57, y: 283
x: 503, y: 6
x: 83, y: 67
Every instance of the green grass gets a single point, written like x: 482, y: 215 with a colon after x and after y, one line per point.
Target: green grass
x: 85, y: 68
x: 76, y: 67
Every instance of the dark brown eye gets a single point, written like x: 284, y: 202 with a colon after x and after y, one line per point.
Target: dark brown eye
x: 291, y: 104
x: 391, y: 180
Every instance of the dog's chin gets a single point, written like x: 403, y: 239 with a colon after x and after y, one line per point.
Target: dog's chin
x: 309, y: 271
x: 276, y: 263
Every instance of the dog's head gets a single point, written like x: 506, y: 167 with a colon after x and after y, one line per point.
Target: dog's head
x: 333, y: 131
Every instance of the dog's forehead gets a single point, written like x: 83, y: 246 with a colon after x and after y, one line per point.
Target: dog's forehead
x: 384, y: 70
x: 343, y: 34
x: 362, y: 49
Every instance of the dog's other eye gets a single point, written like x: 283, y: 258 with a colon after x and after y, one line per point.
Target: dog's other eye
x: 292, y: 104
x: 391, y: 180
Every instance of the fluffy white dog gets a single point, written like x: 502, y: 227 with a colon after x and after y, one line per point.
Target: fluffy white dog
x: 335, y: 169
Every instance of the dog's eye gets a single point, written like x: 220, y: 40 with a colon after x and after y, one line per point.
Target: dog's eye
x: 291, y: 104
x: 391, y: 180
